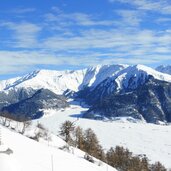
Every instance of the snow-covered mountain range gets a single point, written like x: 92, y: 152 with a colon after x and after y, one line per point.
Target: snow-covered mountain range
x: 94, y: 85
x: 60, y: 81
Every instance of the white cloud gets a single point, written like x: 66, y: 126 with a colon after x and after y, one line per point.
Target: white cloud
x: 88, y: 47
x: 161, y: 6
x: 25, y: 34
x: 81, y: 19
x: 23, y: 10
x: 79, y: 39
x: 163, y: 20
x: 108, y: 39
x: 130, y: 17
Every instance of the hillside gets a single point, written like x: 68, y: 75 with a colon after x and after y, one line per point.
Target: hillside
x: 41, y: 157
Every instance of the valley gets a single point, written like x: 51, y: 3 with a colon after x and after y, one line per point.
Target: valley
x: 141, y: 138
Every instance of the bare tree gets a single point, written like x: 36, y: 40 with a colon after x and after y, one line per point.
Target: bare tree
x: 79, y: 138
x: 26, y: 124
x: 42, y: 132
x: 5, y: 118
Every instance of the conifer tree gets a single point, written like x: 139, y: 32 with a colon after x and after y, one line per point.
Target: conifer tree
x: 66, y: 129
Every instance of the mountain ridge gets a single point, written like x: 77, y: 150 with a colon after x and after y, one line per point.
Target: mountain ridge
x: 90, y: 77
x: 93, y: 85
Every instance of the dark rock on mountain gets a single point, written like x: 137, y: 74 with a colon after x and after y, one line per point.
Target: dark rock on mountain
x: 14, y: 96
x: 32, y: 107
x: 151, y: 102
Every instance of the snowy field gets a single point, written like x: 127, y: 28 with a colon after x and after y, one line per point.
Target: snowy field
x: 29, y: 155
x: 141, y: 138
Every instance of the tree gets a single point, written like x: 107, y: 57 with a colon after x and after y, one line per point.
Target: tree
x: 26, y: 124
x: 119, y: 158
x: 79, y: 138
x: 5, y: 118
x: 124, y: 160
x: 41, y: 132
x: 92, y: 146
x: 157, y: 167
x: 66, y: 129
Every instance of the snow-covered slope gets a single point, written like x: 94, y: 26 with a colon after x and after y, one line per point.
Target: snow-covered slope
x: 60, y: 81
x: 96, y: 75
x: 56, y: 81
x: 7, y: 83
x: 29, y: 155
x: 164, y: 68
x: 140, y: 138
x: 133, y: 76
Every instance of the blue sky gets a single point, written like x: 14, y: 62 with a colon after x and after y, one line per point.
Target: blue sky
x: 73, y: 34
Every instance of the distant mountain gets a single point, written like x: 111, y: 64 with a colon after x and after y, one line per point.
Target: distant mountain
x: 110, y: 90
x: 150, y: 102
x: 164, y: 68
x: 136, y: 91
x: 124, y: 81
x: 17, y: 95
x: 32, y: 107
x: 61, y: 81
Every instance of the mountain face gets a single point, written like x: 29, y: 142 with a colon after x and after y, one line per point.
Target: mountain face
x: 124, y: 81
x: 32, y: 107
x: 150, y: 102
x: 14, y: 96
x: 164, y: 69
x: 111, y: 91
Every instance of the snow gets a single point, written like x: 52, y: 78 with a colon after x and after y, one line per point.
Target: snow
x: 29, y: 155
x: 5, y: 83
x: 152, y: 140
x: 140, y: 138
x: 60, y: 81
x: 140, y: 73
x: 96, y: 75
x: 8, y: 163
x: 56, y: 81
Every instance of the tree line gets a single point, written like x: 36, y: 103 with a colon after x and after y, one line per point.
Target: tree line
x: 119, y: 157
